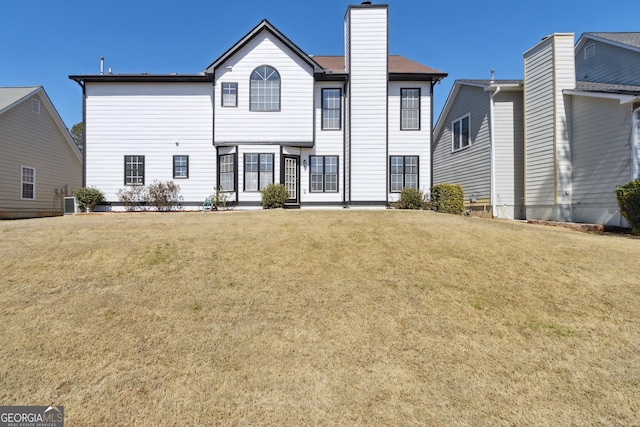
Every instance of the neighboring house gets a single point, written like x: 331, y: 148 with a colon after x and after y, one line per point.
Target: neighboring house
x: 488, y: 164
x: 581, y: 124
x: 39, y: 162
x: 335, y: 130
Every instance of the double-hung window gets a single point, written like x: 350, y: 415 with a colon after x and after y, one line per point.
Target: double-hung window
x: 324, y: 174
x: 258, y: 171
x: 461, y: 134
x: 227, y: 172
x: 331, y: 109
x: 404, y: 172
x: 229, y: 94
x: 181, y: 166
x: 133, y: 170
x: 28, y: 183
x: 265, y: 89
x: 410, y: 106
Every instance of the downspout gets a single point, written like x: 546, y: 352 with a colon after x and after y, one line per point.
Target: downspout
x: 635, y: 144
x: 494, y: 90
x: 433, y: 84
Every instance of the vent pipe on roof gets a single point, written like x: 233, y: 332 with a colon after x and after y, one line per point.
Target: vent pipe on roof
x: 493, y: 74
x: 101, y: 65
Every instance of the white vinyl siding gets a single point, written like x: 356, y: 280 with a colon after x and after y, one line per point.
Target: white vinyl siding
x: 368, y: 103
x: 509, y: 155
x: 155, y: 120
x: 292, y: 123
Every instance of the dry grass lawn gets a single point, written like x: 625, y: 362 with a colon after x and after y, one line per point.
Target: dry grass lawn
x: 318, y: 318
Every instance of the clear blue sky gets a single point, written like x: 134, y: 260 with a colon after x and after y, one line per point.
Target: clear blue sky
x: 42, y: 42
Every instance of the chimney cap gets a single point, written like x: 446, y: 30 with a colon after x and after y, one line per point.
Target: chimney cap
x: 366, y: 2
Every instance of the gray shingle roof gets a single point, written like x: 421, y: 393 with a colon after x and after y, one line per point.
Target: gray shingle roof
x: 488, y: 82
x: 607, y: 88
x: 397, y: 64
x: 629, y: 39
x: 11, y: 95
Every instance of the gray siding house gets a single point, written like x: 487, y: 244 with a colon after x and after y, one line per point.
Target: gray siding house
x: 479, y: 144
x: 580, y: 119
x: 39, y: 161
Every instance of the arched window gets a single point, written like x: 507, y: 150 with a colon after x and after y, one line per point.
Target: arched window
x: 265, y: 89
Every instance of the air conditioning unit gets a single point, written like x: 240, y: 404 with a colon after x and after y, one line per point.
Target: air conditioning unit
x: 70, y: 205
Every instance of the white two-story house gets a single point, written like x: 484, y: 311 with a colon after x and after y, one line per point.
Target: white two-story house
x: 335, y: 130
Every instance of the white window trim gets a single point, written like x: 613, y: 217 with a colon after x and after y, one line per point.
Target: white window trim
x: 453, y: 133
x: 22, y: 182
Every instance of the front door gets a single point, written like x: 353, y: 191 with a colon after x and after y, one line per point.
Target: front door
x: 292, y: 179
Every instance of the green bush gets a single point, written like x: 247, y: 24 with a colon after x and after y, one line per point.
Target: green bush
x: 163, y: 195
x: 88, y: 197
x: 628, y: 196
x: 447, y: 198
x: 274, y: 196
x: 411, y: 198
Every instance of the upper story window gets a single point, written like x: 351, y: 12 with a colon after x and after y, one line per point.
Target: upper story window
x: 229, y: 94
x: 28, y: 183
x: 461, y: 133
x: 331, y: 109
x: 265, y: 89
x: 410, y: 106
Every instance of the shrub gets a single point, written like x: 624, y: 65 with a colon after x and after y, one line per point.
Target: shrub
x: 628, y: 196
x: 411, y: 198
x: 274, y: 196
x: 219, y: 199
x: 447, y: 198
x: 163, y: 195
x: 132, y: 197
x: 88, y: 197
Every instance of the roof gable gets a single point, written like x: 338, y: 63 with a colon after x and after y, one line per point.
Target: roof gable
x: 625, y: 40
x: 263, y: 26
x: 12, y: 96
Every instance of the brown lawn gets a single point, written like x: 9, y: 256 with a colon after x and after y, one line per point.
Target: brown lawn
x: 318, y: 318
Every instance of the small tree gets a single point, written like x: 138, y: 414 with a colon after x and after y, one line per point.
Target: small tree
x: 447, y: 198
x: 88, y: 198
x: 628, y: 196
x: 411, y: 198
x: 274, y: 196
x: 76, y: 134
x: 163, y: 195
